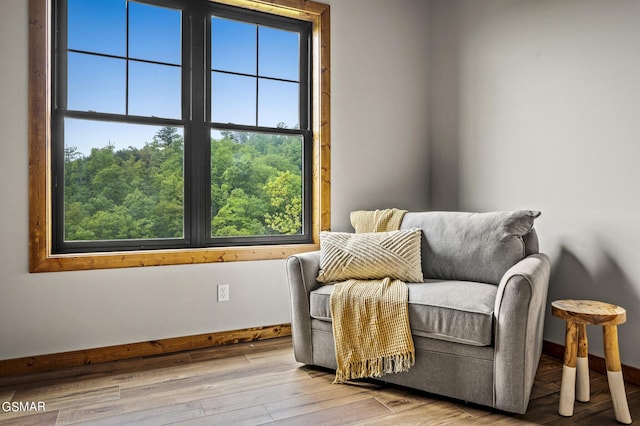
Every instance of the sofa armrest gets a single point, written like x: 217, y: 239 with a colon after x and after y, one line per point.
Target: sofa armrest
x: 302, y: 270
x: 519, y: 320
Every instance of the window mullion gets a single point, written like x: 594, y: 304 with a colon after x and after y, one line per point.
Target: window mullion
x: 257, y: 72
x: 126, y: 82
x: 198, y: 145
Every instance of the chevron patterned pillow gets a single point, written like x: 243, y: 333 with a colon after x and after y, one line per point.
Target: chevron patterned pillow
x: 371, y: 256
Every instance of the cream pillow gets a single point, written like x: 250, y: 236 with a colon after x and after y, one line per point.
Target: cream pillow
x: 371, y: 256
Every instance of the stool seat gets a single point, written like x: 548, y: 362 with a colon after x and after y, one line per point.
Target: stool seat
x: 589, y: 312
x: 578, y: 314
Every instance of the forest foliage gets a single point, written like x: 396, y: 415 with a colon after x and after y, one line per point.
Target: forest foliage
x: 138, y: 193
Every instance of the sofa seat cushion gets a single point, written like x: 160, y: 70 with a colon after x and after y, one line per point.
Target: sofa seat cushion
x: 457, y: 311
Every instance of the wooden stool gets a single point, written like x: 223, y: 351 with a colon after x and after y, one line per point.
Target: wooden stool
x: 577, y: 314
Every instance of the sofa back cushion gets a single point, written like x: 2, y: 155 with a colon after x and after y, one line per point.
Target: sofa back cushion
x: 473, y: 246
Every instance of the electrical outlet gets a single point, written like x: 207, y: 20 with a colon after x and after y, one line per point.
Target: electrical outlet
x: 223, y: 292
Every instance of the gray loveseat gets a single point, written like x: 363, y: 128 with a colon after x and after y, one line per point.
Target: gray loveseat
x: 476, y: 320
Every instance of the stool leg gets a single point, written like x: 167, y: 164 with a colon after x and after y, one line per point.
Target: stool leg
x: 614, y: 374
x: 582, y: 378
x: 568, y: 387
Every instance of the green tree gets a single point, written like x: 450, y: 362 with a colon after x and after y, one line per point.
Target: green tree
x: 125, y: 194
x: 239, y: 216
x: 286, y: 201
x: 138, y: 193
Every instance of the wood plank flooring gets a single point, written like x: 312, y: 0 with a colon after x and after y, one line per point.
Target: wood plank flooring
x: 260, y: 383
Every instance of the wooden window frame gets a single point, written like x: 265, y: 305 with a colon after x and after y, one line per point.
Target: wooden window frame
x: 41, y: 258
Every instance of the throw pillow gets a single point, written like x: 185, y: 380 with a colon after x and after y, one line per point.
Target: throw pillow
x: 371, y: 256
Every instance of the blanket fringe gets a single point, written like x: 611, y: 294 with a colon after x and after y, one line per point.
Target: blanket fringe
x: 375, y: 367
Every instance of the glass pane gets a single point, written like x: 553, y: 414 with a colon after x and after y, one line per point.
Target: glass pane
x: 122, y: 181
x: 278, y: 104
x: 256, y: 184
x: 154, y: 33
x: 98, y: 26
x: 96, y: 83
x: 233, y: 99
x: 154, y: 90
x: 279, y: 54
x: 233, y: 46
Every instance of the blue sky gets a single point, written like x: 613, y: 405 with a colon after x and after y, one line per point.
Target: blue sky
x: 98, y: 83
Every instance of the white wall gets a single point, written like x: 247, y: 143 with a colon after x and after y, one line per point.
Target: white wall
x: 545, y: 104
x: 379, y: 106
x: 379, y: 150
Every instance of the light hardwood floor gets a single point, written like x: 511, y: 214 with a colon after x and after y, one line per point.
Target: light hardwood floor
x: 260, y: 383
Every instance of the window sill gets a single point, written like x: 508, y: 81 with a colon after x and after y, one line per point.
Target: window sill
x: 89, y: 261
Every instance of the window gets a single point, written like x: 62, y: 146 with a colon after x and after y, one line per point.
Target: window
x: 167, y: 132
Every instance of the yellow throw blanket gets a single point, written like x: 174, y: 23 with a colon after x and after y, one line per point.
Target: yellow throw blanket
x: 377, y: 220
x: 370, y: 317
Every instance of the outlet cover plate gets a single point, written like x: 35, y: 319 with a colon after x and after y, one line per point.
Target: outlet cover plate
x: 223, y: 292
